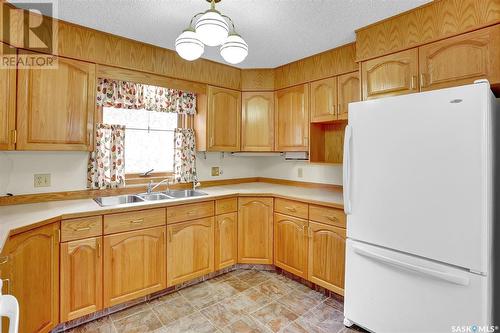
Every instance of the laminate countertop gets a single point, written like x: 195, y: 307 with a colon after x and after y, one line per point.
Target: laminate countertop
x: 17, y: 218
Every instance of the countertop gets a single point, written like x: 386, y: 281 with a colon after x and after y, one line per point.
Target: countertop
x: 20, y: 217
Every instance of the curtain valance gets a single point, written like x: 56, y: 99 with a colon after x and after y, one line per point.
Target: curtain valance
x: 131, y: 95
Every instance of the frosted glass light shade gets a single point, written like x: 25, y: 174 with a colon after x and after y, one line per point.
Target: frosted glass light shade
x: 234, y: 50
x: 189, y: 46
x: 212, y: 28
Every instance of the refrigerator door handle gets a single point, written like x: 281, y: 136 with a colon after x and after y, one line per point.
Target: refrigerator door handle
x: 346, y: 172
x: 463, y: 281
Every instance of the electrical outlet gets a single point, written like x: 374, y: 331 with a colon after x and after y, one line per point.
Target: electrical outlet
x: 215, y: 171
x: 41, y: 180
x: 300, y: 173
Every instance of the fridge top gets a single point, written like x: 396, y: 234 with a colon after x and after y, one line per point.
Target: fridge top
x: 418, y: 174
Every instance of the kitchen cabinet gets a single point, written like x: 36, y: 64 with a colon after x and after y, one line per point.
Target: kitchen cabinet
x: 226, y: 240
x: 134, y: 264
x: 324, y: 100
x: 30, y: 271
x: 292, y: 119
x: 290, y: 244
x: 394, y: 74
x: 326, y: 256
x: 257, y: 121
x: 348, y: 90
x: 224, y: 119
x: 190, y: 250
x: 255, y: 230
x: 461, y: 59
x: 55, y: 107
x: 7, y: 103
x: 81, y: 277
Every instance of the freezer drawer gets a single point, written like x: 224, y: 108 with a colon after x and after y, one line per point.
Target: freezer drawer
x: 388, y: 291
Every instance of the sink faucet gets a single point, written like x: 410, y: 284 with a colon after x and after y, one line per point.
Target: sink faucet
x: 196, y: 184
x: 151, y: 187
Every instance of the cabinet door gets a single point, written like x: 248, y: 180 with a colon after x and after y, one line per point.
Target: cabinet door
x: 7, y: 103
x: 255, y: 230
x: 292, y: 119
x: 461, y: 60
x: 394, y: 74
x: 257, y: 121
x: 349, y: 90
x: 324, y: 100
x: 224, y: 117
x: 327, y: 256
x: 290, y: 244
x: 190, y: 250
x: 134, y: 264
x: 55, y: 107
x: 226, y: 240
x: 81, y: 278
x: 32, y: 273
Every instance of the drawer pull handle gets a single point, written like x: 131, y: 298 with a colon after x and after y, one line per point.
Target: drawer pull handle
x: 191, y: 212
x: 9, y: 286
x: 291, y: 209
x: 139, y: 221
x: 82, y: 229
x: 332, y: 218
x: 3, y: 260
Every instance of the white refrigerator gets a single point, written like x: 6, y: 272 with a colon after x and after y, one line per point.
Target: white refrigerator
x: 418, y: 194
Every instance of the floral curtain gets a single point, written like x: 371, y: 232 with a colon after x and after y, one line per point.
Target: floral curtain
x: 130, y: 95
x: 184, y: 155
x: 106, y: 167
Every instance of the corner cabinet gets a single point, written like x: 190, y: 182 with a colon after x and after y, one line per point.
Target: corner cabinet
x: 257, y: 121
x: 55, y: 107
x: 224, y: 118
x: 30, y: 271
x: 292, y: 119
x: 7, y: 104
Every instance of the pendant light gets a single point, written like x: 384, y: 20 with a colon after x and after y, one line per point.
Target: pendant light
x: 212, y: 29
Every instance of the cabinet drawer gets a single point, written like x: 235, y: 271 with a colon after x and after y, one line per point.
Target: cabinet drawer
x: 190, y: 212
x: 80, y: 228
x: 120, y: 222
x: 327, y: 215
x: 292, y: 208
x: 224, y: 206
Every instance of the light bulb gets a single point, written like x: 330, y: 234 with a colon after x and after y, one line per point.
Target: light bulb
x: 234, y: 50
x: 189, y: 46
x: 212, y: 28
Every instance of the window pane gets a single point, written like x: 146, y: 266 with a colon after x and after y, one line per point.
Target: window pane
x: 148, y: 150
x: 163, y: 120
x: 129, y: 118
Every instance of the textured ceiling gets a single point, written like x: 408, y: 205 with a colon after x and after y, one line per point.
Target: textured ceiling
x: 277, y: 31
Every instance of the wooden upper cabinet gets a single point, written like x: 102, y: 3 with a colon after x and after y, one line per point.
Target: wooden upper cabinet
x: 224, y: 118
x: 134, y: 264
x: 461, y: 60
x: 255, y: 230
x: 324, y: 100
x: 7, y: 104
x: 55, y: 107
x: 32, y: 273
x: 394, y: 74
x: 190, y: 250
x: 326, y: 257
x: 81, y: 278
x: 292, y: 119
x: 290, y: 244
x: 257, y: 121
x: 349, y: 90
x: 226, y: 240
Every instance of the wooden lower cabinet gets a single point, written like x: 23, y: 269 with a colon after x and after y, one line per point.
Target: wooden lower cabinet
x: 81, y: 278
x: 134, y: 264
x: 255, y: 230
x: 190, y: 250
x: 226, y: 240
x: 326, y: 258
x: 290, y: 244
x: 30, y: 271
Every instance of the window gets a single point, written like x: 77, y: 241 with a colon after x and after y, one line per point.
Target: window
x: 149, y: 138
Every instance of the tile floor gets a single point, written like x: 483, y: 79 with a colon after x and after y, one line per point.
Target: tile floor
x: 239, y: 301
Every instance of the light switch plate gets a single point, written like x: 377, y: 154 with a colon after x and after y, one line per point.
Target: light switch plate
x: 215, y: 171
x: 41, y: 180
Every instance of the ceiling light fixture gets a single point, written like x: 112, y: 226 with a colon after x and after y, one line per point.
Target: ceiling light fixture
x: 212, y: 29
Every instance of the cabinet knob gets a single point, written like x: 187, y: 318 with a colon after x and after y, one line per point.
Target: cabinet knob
x: 291, y: 209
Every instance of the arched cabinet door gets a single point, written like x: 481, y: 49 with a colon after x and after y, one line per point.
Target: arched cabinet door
x: 7, y: 102
x: 324, y: 100
x: 292, y: 118
x: 224, y: 118
x: 290, y: 244
x: 255, y: 230
x: 327, y: 256
x: 226, y: 240
x: 349, y: 90
x: 257, y: 121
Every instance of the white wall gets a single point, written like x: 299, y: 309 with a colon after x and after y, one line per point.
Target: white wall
x: 69, y: 170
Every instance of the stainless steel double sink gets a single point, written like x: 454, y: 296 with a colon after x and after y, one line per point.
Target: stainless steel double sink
x: 144, y: 197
